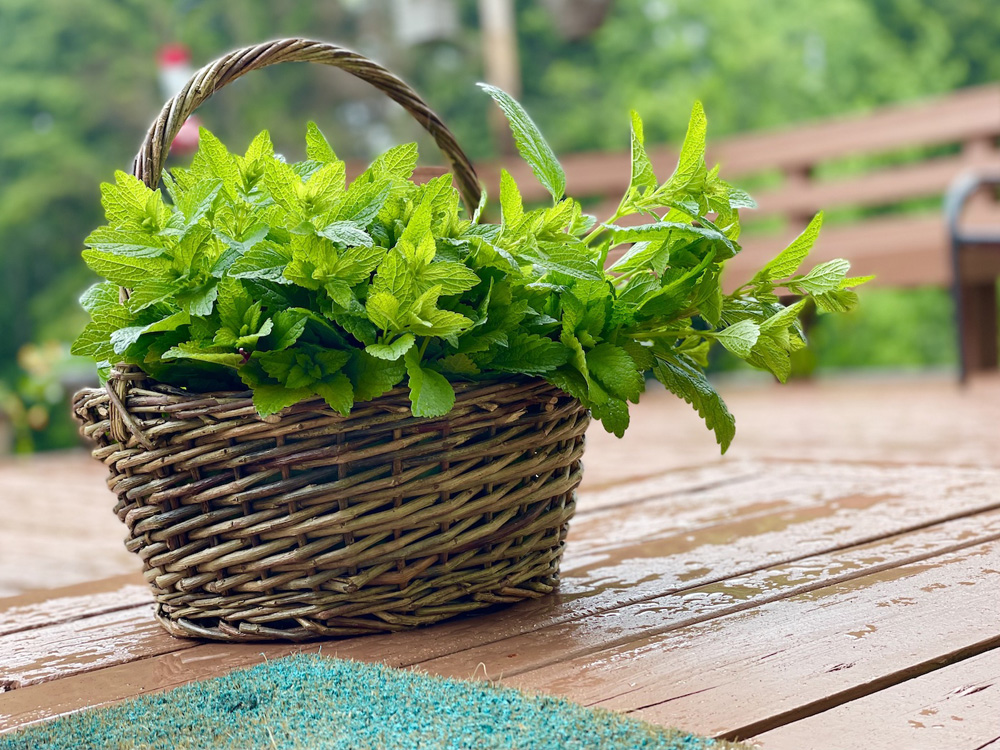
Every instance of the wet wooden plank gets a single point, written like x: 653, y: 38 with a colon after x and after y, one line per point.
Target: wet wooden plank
x: 78, y: 646
x: 746, y: 673
x: 957, y: 706
x: 629, y: 555
x: 578, y: 638
x: 46, y: 607
x: 705, y: 526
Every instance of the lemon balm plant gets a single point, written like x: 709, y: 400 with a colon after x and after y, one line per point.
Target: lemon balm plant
x: 286, y: 279
x: 338, y: 407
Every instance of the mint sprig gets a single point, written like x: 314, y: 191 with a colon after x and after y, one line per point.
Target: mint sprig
x: 284, y: 279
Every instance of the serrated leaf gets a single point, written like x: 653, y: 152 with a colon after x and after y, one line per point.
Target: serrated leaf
x: 836, y: 301
x: 642, y: 169
x: 529, y: 354
x: 287, y: 326
x: 218, y: 161
x: 126, y: 200
x: 346, y: 234
x: 453, y: 278
x: 372, y: 377
x: 193, y: 350
x: 653, y: 254
x: 530, y: 143
x: 739, y: 338
x: 132, y: 242
x: 270, y: 399
x: 684, y: 379
x: 338, y: 393
x: 124, y: 270
x: 787, y: 262
x: 692, y: 156
x: 394, y: 350
x: 431, y: 395
x: 854, y: 281
x: 569, y: 259
x: 266, y: 262
x: 398, y: 162
x: 666, y: 230
x: 511, y: 204
x: 317, y: 147
x: 825, y: 277
x: 613, y: 415
x: 616, y: 371
x: 460, y: 364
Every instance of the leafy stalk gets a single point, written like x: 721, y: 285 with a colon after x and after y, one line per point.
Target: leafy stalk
x: 288, y: 280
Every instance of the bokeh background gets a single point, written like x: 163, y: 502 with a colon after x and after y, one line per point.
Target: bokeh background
x: 80, y: 82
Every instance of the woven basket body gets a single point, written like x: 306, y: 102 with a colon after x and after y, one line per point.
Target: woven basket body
x: 314, y: 524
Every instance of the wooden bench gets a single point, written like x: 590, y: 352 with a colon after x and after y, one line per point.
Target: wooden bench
x: 901, y: 248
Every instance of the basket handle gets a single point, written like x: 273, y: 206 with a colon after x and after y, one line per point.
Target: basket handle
x: 148, y: 163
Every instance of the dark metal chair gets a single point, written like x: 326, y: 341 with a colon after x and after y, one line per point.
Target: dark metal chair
x: 975, y: 253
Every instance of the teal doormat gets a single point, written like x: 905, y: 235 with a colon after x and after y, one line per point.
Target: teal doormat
x: 317, y: 703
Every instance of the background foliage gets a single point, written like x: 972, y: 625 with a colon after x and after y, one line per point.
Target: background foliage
x: 78, y: 87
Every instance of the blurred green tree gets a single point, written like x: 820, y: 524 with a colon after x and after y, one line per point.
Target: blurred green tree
x: 78, y: 87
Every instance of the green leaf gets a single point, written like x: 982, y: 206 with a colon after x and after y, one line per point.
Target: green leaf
x: 613, y: 415
x: 529, y: 354
x: 642, y: 255
x: 642, y: 169
x: 200, y: 299
x: 788, y: 260
x: 372, y: 377
x: 394, y: 350
x: 132, y: 242
x: 126, y: 200
x: 568, y: 258
x: 825, y: 277
x: 218, y: 161
x: 511, y: 205
x: 530, y: 143
x: 338, y: 393
x: 397, y: 163
x: 266, y: 262
x: 317, y: 147
x: 739, y: 338
x: 616, y: 371
x: 346, y: 234
x: 666, y: 230
x: 127, y: 271
x: 287, y: 326
x: 453, y: 278
x: 691, y: 160
x: 270, y: 399
x: 193, y: 350
x: 836, y: 300
x: 431, y: 395
x: 684, y: 379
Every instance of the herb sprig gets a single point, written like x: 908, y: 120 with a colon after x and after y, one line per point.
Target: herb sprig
x: 287, y: 280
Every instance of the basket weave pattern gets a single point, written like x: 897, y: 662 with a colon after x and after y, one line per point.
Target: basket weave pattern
x: 314, y: 524
x: 308, y: 523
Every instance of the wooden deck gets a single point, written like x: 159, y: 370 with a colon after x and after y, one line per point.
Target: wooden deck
x: 834, y: 583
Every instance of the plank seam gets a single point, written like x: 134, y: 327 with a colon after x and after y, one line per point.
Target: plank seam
x: 860, y: 691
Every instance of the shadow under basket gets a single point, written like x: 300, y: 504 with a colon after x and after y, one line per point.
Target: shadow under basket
x: 309, y: 523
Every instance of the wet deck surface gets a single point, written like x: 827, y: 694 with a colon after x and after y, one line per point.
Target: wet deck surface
x: 833, y: 583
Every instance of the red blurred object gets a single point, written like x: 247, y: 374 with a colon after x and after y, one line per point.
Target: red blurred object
x: 174, y: 63
x: 173, y: 54
x: 186, y: 141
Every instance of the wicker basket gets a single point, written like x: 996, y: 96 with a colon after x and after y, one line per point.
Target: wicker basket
x: 309, y: 523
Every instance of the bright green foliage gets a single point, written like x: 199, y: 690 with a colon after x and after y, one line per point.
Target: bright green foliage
x: 288, y: 280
